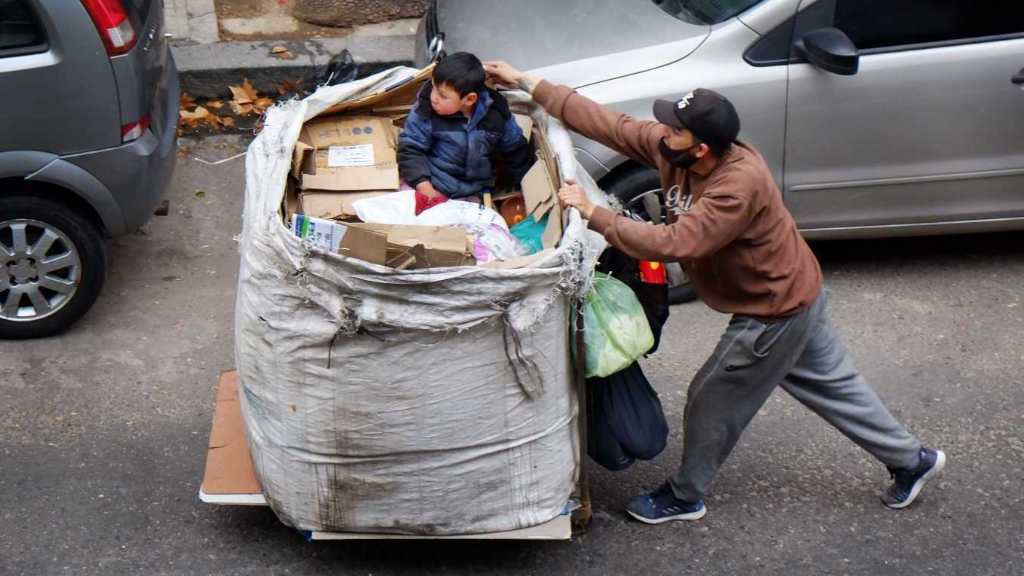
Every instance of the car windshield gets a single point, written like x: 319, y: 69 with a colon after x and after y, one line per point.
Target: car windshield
x: 704, y: 11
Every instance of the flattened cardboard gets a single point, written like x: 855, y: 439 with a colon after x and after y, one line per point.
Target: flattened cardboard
x: 525, y: 124
x: 536, y: 187
x: 290, y: 203
x: 333, y: 137
x: 334, y: 205
x: 229, y: 467
x: 540, y: 140
x: 365, y: 245
x: 553, y: 230
x: 347, y: 240
x: 395, y: 95
x: 441, y: 245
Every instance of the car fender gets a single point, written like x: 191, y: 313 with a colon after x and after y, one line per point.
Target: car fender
x: 83, y: 184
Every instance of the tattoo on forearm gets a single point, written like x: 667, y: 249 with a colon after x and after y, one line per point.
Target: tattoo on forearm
x: 527, y: 84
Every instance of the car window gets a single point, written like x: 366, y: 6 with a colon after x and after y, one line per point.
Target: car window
x: 19, y: 28
x: 704, y: 11
x: 891, y: 23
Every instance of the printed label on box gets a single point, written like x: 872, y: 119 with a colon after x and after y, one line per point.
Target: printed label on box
x: 361, y: 155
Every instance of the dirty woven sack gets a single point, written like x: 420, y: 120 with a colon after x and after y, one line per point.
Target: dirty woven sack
x: 430, y: 401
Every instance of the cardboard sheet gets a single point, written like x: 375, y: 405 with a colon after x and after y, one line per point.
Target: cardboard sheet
x: 440, y: 246
x: 348, y: 153
x: 400, y: 93
x: 229, y: 469
x: 347, y: 240
x: 525, y: 124
x: 537, y: 190
x: 334, y: 205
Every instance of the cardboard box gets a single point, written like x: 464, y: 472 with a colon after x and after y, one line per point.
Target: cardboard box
x: 290, y: 202
x: 334, y: 205
x: 350, y: 241
x: 347, y: 153
x: 440, y: 246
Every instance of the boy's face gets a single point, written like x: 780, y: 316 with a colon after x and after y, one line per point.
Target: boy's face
x: 446, y: 101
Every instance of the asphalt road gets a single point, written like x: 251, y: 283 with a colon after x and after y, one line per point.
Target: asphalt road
x: 103, y: 430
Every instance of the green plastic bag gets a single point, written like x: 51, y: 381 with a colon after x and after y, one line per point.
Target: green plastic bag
x: 615, y: 328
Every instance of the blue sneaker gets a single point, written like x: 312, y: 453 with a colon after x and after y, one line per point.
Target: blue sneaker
x: 907, y: 482
x: 662, y: 506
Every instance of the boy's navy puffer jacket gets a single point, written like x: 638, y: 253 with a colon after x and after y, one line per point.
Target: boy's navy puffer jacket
x: 455, y: 153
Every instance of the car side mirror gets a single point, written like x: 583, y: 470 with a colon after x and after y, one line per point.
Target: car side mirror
x: 831, y: 50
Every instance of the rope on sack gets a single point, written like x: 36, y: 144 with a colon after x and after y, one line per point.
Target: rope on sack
x: 532, y: 384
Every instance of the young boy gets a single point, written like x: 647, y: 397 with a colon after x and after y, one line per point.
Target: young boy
x: 454, y: 127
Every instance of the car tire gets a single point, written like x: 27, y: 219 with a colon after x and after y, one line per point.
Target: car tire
x: 53, y: 261
x: 639, y: 190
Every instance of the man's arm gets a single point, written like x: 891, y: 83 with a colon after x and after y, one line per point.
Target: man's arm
x: 716, y: 219
x: 636, y: 139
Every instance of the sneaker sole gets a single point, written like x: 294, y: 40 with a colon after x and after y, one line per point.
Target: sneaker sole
x: 678, y: 517
x: 940, y: 463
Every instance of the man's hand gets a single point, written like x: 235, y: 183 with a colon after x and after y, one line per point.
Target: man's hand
x: 501, y: 73
x: 427, y: 189
x: 572, y: 194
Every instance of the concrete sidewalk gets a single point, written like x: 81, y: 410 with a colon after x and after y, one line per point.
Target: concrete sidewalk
x: 208, y: 66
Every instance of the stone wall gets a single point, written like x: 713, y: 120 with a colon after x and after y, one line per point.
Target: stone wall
x: 345, y: 13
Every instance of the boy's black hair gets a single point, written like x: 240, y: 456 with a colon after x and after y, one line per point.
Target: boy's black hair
x: 462, y: 72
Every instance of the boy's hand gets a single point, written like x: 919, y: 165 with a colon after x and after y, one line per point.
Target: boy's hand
x: 505, y: 75
x: 427, y: 189
x: 572, y: 194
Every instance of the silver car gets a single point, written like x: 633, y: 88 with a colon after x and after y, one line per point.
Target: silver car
x: 88, y: 119
x: 877, y: 117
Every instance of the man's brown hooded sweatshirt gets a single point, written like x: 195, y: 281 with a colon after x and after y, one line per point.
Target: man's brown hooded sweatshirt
x: 729, y: 229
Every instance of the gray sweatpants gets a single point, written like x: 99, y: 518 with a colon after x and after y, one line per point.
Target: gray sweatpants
x: 804, y: 355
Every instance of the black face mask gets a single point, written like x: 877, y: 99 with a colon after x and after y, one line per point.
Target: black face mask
x: 680, y: 158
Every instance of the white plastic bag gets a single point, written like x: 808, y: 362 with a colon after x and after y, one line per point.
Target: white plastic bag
x: 491, y: 237
x: 397, y: 208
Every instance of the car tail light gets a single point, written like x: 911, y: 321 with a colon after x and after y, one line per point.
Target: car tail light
x: 652, y: 272
x: 112, y: 22
x: 135, y: 130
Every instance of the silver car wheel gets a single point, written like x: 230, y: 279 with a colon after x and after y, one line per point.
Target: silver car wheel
x: 40, y: 270
x: 652, y: 206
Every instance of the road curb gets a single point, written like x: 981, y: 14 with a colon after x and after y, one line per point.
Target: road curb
x: 206, y: 70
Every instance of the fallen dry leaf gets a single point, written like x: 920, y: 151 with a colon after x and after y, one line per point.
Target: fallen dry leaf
x: 186, y: 101
x: 241, y: 96
x: 241, y: 109
x: 214, y: 104
x: 199, y: 116
x: 194, y: 116
x: 285, y: 87
x: 227, y: 122
x: 282, y: 53
x: 249, y: 90
x: 261, y: 104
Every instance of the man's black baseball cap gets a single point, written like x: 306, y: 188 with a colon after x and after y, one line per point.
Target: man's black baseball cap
x: 706, y: 113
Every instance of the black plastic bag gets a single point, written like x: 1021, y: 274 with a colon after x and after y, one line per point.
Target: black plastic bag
x: 625, y: 419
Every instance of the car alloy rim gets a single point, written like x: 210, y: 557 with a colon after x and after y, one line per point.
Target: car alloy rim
x: 40, y: 270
